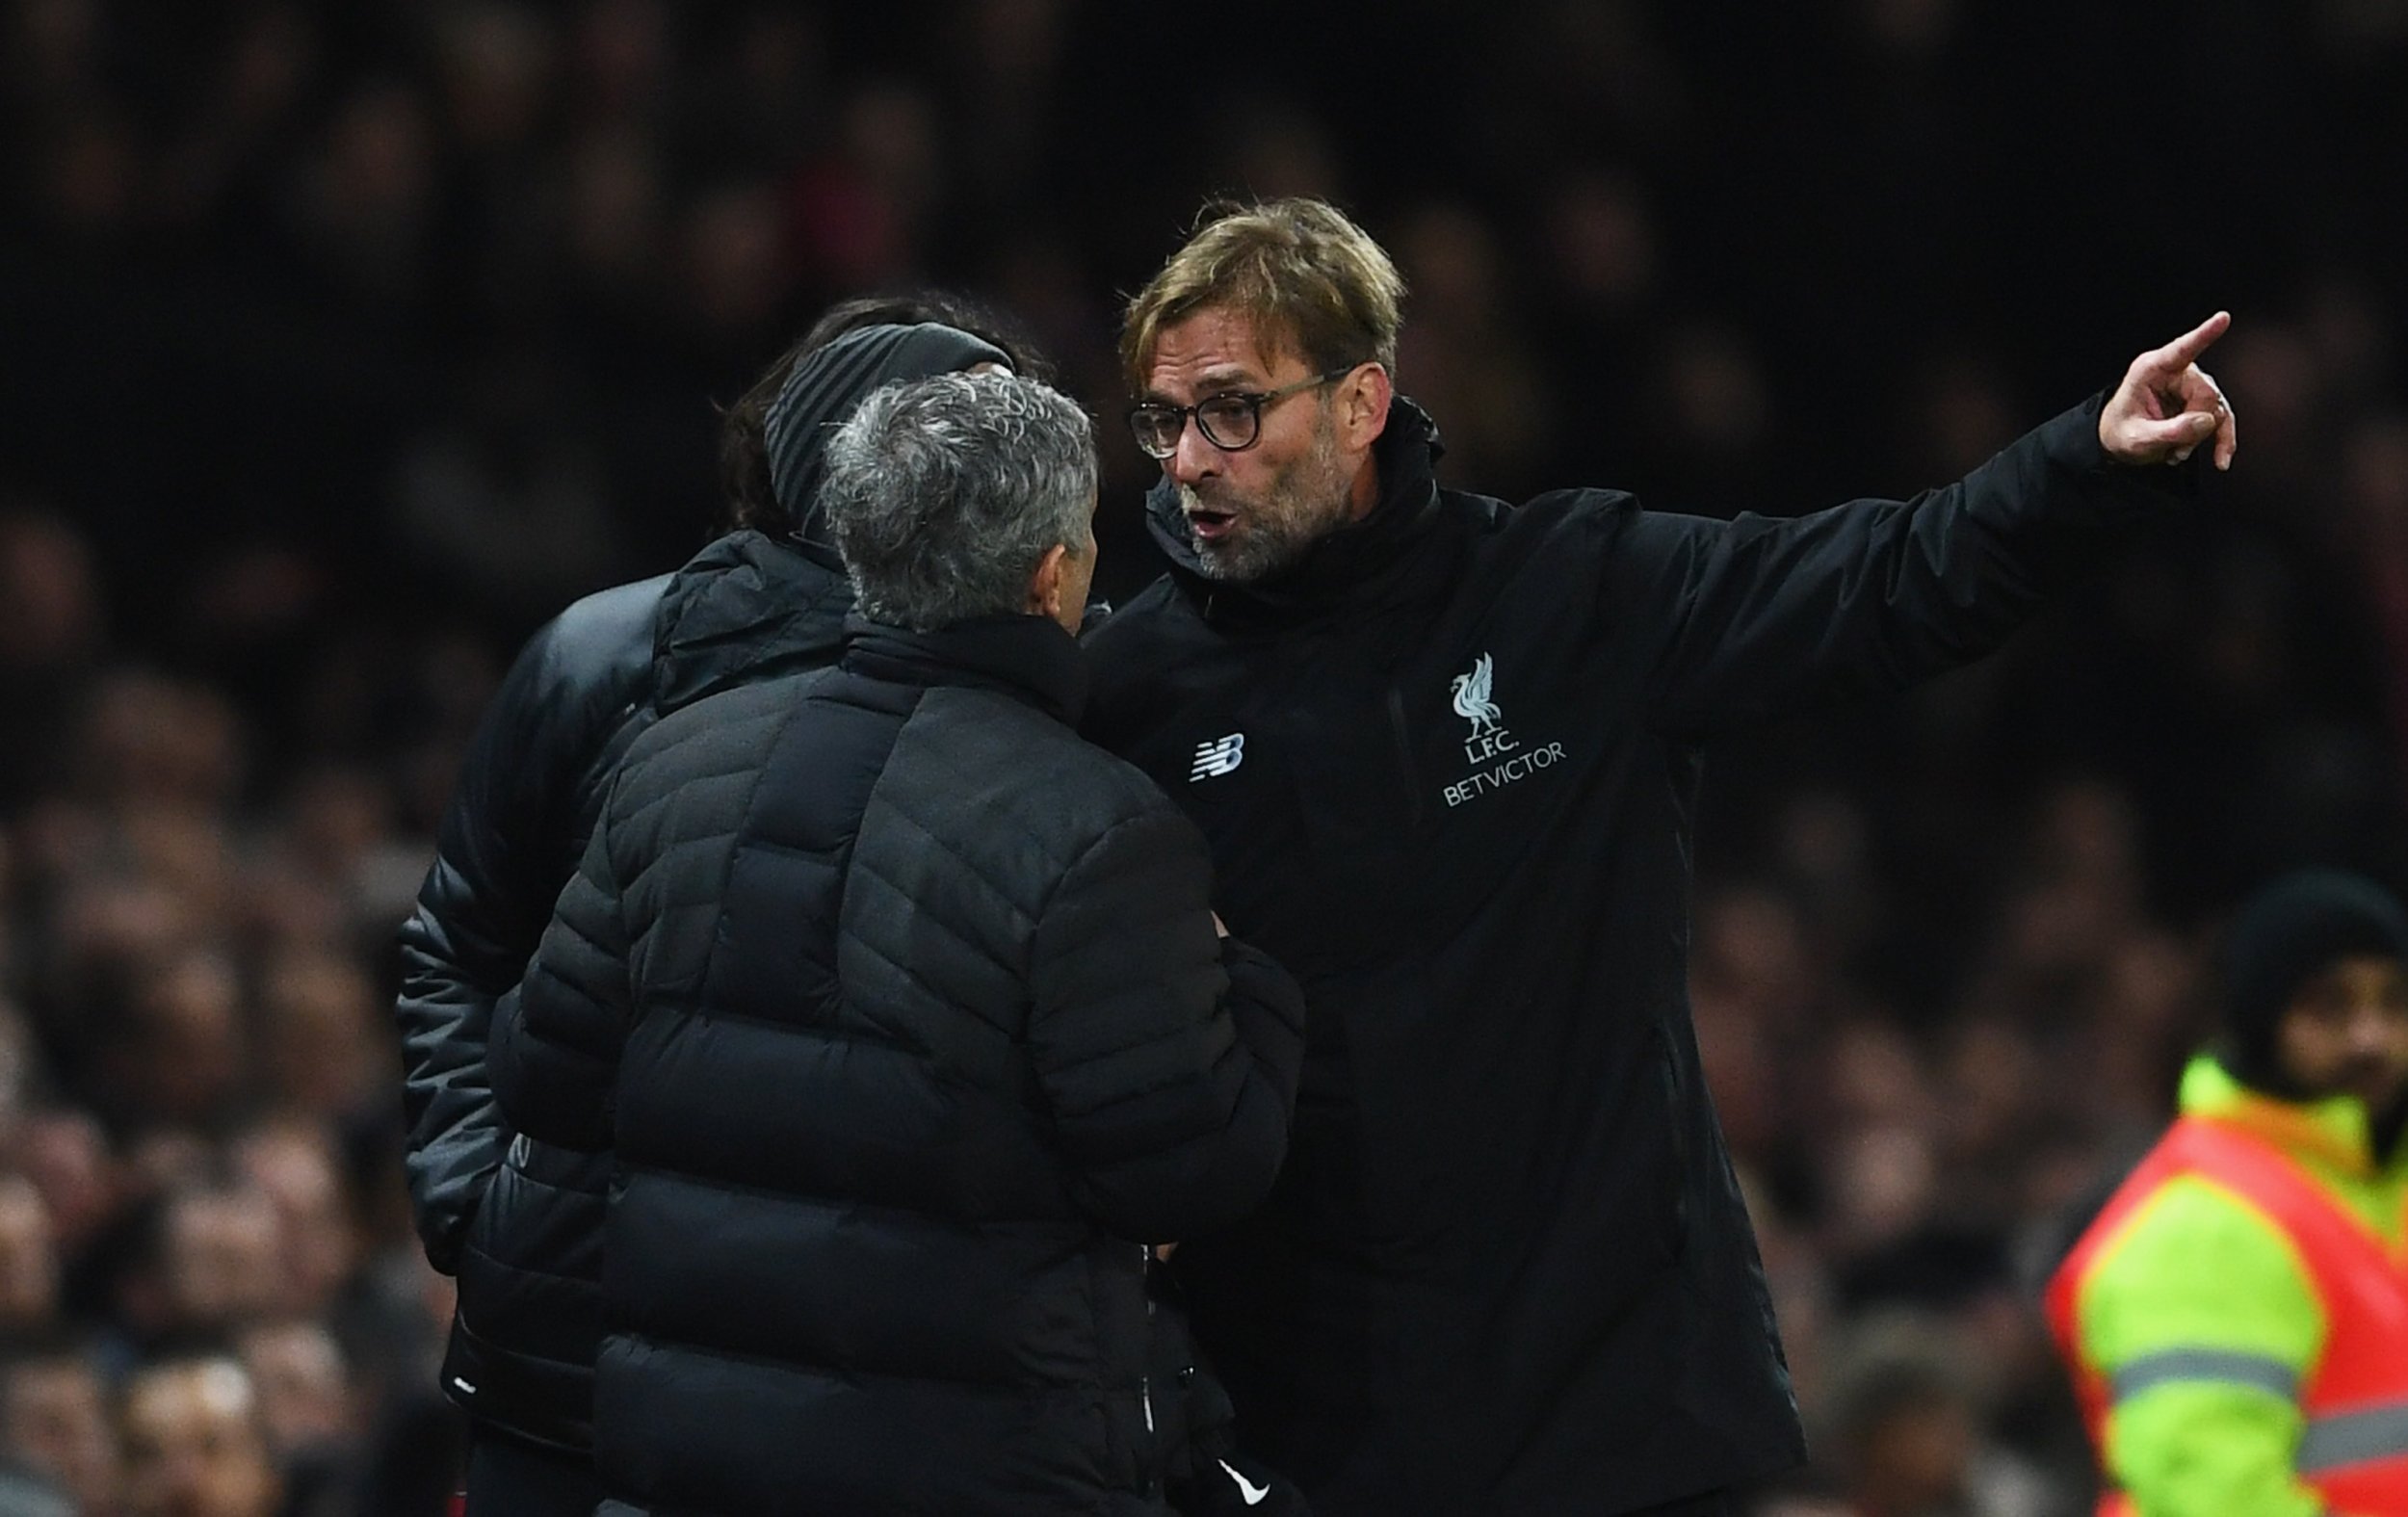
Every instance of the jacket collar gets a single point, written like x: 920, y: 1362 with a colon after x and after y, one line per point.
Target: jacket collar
x: 747, y: 606
x: 1373, y: 561
x: 2333, y: 1129
x: 1029, y: 657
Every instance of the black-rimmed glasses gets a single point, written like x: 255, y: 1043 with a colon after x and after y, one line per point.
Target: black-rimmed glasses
x: 1232, y: 422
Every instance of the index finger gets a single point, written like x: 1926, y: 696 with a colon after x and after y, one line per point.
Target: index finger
x: 2177, y: 355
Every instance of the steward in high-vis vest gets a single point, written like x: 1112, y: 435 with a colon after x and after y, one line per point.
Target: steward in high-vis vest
x: 2236, y: 1316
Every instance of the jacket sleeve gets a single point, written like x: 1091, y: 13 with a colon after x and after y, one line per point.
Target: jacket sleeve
x: 1169, y: 1058
x: 558, y: 1037
x: 1769, y: 616
x: 2205, y: 1328
x: 480, y: 912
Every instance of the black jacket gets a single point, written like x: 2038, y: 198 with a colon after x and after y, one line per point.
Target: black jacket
x: 518, y: 1221
x: 1448, y: 769
x: 901, y: 1011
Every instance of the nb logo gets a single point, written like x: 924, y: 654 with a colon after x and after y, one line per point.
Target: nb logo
x: 1217, y: 757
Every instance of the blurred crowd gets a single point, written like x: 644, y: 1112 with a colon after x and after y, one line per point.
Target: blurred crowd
x: 341, y: 344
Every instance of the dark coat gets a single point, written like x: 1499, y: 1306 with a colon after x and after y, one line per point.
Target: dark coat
x: 902, y: 1010
x: 519, y: 1222
x: 1448, y: 770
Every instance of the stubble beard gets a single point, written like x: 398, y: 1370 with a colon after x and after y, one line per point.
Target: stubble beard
x: 1305, y: 504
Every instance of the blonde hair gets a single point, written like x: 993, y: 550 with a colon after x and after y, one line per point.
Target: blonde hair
x: 1298, y: 268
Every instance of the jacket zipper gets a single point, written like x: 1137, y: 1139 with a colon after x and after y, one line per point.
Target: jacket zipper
x: 1146, y: 1382
x: 1404, y: 752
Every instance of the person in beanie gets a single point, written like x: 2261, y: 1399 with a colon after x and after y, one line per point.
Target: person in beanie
x: 519, y: 1222
x: 2236, y: 1316
x: 904, y: 1016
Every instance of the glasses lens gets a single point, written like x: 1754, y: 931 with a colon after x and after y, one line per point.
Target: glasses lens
x: 1228, y: 421
x: 1157, y: 428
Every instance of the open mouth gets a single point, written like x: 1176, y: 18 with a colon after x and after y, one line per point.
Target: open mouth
x: 1210, y: 523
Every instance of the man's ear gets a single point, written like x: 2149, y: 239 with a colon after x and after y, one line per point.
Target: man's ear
x: 1045, y: 584
x: 1363, y: 400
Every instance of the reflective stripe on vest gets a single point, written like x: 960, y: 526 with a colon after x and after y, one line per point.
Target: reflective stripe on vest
x: 2355, y: 1450
x: 2217, y: 1365
x: 2354, y: 1437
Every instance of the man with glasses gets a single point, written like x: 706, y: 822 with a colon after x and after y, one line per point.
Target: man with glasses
x: 1446, y: 752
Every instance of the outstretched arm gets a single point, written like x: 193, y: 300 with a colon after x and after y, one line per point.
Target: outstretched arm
x: 1758, y: 618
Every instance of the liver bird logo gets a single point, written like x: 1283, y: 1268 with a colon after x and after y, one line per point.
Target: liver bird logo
x: 1471, y: 697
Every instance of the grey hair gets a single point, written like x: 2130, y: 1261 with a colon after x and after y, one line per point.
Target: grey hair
x: 943, y: 494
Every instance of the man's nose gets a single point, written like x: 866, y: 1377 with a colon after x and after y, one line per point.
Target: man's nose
x: 1194, y: 459
x: 2373, y: 1030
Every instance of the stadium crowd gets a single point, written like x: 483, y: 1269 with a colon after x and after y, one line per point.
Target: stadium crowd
x: 340, y: 345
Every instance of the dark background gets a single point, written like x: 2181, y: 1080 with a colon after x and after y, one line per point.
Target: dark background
x: 342, y: 344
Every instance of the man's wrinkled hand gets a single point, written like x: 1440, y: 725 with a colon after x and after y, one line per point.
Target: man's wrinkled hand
x: 2168, y: 405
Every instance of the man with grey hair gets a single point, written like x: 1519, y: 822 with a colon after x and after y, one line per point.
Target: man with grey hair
x: 941, y: 494
x: 908, y: 1018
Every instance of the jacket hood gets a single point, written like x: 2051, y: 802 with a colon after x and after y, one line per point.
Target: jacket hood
x: 747, y: 607
x: 1369, y: 560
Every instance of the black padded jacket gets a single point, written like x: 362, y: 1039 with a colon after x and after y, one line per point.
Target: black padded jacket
x: 900, y: 1009
x: 519, y: 1222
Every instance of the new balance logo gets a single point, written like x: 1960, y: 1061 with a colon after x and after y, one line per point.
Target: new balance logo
x: 1217, y: 757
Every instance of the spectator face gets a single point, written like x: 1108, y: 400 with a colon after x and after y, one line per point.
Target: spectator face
x: 194, y: 1446
x: 1252, y: 510
x: 2347, y: 1031
x: 221, y: 1258
x: 322, y: 1042
x: 56, y: 1421
x: 189, y: 1054
x: 293, y: 1169
x: 29, y: 1266
x: 67, y: 1158
x: 49, y: 609
x: 304, y: 1398
x: 1914, y: 1459
x: 151, y: 742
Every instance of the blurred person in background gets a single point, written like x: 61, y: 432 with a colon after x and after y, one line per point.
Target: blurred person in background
x: 28, y: 1256
x: 201, y: 1257
x: 307, y: 1409
x: 905, y: 1015
x: 1905, y: 1427
x: 519, y: 1222
x: 1447, y: 753
x: 55, y: 1416
x: 2236, y: 1316
x: 195, y: 1443
x: 50, y: 633
x: 318, y: 1246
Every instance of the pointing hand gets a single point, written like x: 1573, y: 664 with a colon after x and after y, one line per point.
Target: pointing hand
x: 2167, y: 406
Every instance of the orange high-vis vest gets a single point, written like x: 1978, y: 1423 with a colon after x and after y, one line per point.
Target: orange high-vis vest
x: 2355, y: 1398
